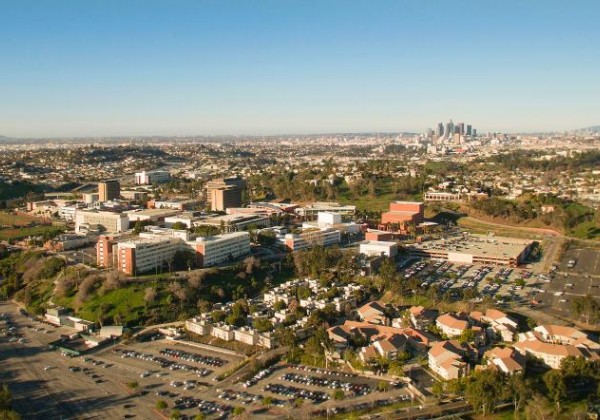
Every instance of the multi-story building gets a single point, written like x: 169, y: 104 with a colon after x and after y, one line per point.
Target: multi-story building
x: 375, y: 248
x: 402, y: 212
x: 225, y: 192
x: 157, y: 248
x: 475, y: 249
x: 108, y: 221
x: 451, y: 325
x: 181, y: 204
x: 105, y: 251
x: 311, y: 212
x: 109, y: 190
x: 235, y: 222
x: 218, y: 249
x: 152, y: 177
x: 449, y: 359
x: 312, y: 237
x: 442, y: 196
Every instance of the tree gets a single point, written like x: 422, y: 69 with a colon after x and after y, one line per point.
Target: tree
x: 175, y: 414
x: 483, y: 390
x: 338, y: 394
x: 518, y: 390
x: 383, y: 385
x: 238, y: 411
x: 555, y: 385
x: 133, y: 385
x: 179, y: 226
x: 267, y: 401
x: 438, y: 389
x: 161, y: 405
x: 149, y: 295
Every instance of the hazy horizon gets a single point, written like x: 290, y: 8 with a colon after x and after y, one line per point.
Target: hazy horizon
x: 206, y: 68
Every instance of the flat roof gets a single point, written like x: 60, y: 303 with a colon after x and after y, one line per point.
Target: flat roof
x: 485, y: 246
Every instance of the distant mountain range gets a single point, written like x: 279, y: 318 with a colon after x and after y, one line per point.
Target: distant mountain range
x: 594, y: 128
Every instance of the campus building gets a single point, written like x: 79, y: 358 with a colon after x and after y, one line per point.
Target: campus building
x: 225, y: 192
x: 442, y: 196
x: 402, y: 212
x: 376, y: 248
x: 312, y: 237
x: 311, y: 211
x: 107, y: 221
x: 109, y: 190
x: 157, y: 247
x: 152, y: 177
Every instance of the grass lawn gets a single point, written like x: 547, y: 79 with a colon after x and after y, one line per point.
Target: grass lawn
x: 17, y: 220
x: 128, y: 301
x: 475, y: 226
x: 19, y: 233
x: 586, y: 230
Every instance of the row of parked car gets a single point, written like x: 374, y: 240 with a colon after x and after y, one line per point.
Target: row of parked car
x: 361, y: 406
x: 243, y: 397
x: 357, y: 389
x: 294, y: 393
x: 163, y: 363
x: 414, y: 269
x: 323, y: 371
x: 204, y: 406
x: 192, y: 357
x: 260, y: 375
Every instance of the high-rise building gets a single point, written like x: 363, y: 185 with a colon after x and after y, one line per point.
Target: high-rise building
x: 225, y: 192
x: 474, y: 132
x: 440, y: 129
x: 449, y: 129
x: 109, y: 190
x: 469, y: 130
x: 461, y: 129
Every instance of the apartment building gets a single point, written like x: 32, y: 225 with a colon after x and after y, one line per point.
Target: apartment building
x: 449, y: 359
x: 109, y: 190
x: 109, y: 221
x: 450, y: 325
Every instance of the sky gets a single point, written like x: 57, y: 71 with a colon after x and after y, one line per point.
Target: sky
x: 210, y: 67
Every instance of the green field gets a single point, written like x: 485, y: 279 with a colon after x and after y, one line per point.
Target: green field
x: 17, y: 220
x: 20, y: 233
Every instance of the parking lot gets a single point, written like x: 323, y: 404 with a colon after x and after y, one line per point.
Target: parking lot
x: 43, y: 386
x: 576, y: 274
x: 286, y: 383
x: 504, y: 284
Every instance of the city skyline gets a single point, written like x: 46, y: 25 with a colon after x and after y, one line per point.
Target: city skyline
x: 229, y: 68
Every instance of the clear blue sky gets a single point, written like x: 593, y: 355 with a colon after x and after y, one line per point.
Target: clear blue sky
x: 135, y: 67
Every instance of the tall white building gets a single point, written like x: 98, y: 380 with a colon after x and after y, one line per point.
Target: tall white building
x: 151, y: 177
